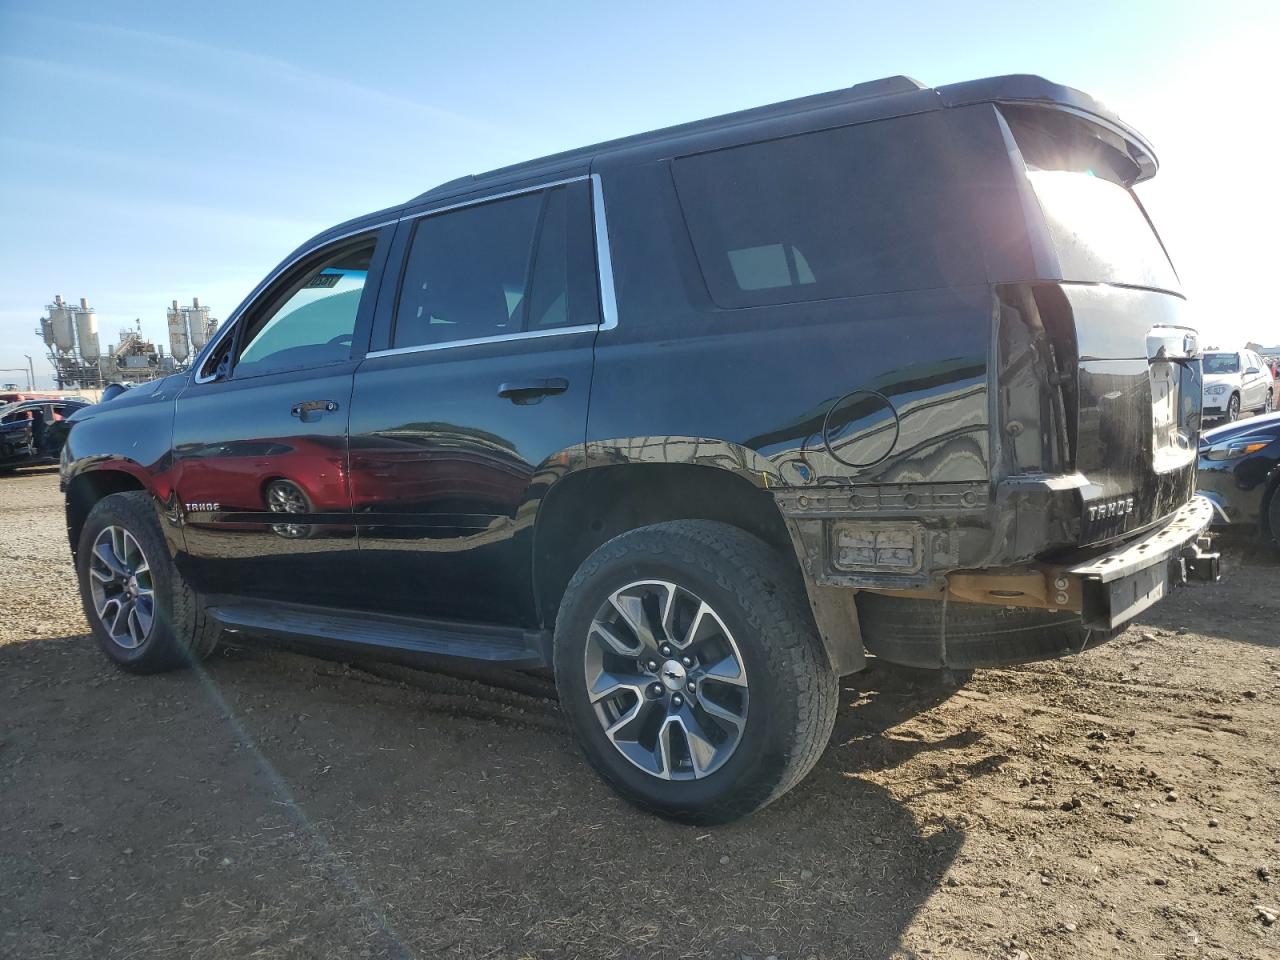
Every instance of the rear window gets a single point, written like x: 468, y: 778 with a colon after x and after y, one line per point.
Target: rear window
x: 1098, y: 227
x: 856, y: 210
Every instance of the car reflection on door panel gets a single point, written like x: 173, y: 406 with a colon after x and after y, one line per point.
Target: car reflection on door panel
x: 264, y: 434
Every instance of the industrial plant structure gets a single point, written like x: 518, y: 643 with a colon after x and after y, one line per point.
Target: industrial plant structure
x: 79, y: 360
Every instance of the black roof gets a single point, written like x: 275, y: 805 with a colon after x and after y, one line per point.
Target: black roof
x: 890, y: 96
x: 875, y: 99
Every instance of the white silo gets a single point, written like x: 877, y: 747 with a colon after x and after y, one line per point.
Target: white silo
x: 87, y: 331
x: 179, y: 342
x: 198, y: 322
x: 62, y: 324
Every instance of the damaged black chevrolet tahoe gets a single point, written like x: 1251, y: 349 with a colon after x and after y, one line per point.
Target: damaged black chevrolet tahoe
x: 698, y: 418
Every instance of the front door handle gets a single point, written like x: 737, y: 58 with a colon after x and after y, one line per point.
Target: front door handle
x: 311, y: 410
x: 532, y: 391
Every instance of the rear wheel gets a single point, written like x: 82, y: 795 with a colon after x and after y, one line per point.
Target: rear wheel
x: 143, y: 615
x: 688, y: 665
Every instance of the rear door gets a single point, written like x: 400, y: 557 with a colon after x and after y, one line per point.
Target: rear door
x: 1256, y: 381
x: 260, y: 435
x: 475, y: 402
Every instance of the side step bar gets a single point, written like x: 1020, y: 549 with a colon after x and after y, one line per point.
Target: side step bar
x: 374, y: 632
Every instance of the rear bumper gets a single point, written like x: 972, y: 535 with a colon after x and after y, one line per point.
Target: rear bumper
x: 1118, y: 585
x: 1109, y: 588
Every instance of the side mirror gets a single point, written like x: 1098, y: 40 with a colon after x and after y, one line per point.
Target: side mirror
x: 1252, y: 370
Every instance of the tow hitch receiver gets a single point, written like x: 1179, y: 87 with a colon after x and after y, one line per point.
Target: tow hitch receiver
x: 1198, y: 562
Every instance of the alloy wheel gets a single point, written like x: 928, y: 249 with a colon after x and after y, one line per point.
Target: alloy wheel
x: 1233, y: 408
x: 122, y: 587
x: 666, y: 680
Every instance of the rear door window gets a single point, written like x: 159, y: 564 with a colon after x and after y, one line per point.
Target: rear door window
x: 519, y: 265
x: 856, y: 210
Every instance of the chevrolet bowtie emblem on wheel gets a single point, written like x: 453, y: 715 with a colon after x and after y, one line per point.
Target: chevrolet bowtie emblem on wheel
x: 1111, y: 508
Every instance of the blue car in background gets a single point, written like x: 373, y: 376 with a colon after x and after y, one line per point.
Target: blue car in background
x: 1240, y: 472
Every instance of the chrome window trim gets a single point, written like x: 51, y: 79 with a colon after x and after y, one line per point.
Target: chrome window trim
x: 604, y: 271
x: 248, y: 305
x: 604, y: 259
x: 492, y: 196
x: 498, y: 338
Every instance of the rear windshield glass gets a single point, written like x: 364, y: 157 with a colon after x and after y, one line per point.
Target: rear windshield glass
x: 839, y: 213
x: 1098, y: 227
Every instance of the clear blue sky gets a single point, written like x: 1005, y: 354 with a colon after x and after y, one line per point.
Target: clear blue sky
x: 158, y: 150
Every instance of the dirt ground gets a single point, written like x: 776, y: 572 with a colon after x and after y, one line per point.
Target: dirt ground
x: 1124, y: 803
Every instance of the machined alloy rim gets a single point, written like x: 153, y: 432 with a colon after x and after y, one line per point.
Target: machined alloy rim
x: 122, y: 587
x: 1233, y: 408
x: 666, y: 680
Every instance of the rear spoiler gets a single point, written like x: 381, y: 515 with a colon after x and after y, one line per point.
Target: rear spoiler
x: 1030, y: 90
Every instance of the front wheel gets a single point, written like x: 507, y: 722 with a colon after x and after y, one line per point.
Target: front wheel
x: 143, y: 615
x: 690, y: 670
x: 1270, y: 403
x: 1233, y: 408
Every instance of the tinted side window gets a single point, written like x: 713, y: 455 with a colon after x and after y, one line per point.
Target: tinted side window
x: 510, y: 266
x: 311, y: 322
x: 857, y: 210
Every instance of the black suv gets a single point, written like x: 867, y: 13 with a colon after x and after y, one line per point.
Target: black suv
x: 698, y: 418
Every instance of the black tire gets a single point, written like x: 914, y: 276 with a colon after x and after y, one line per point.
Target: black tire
x: 182, y: 632
x: 910, y: 632
x: 760, y: 598
x: 1233, y: 408
x: 1271, y: 520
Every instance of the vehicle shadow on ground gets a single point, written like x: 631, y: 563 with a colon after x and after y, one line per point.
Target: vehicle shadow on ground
x: 464, y: 805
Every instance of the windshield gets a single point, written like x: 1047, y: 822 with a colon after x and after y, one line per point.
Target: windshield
x: 1222, y: 363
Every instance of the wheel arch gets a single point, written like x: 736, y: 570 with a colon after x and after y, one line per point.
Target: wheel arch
x: 87, y: 488
x: 592, y: 505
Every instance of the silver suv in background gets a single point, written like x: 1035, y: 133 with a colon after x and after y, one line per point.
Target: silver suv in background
x: 1234, y: 382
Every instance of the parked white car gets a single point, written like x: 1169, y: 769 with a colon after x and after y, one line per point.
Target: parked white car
x: 1234, y: 382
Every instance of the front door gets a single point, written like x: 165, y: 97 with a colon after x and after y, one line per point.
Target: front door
x: 475, y: 402
x: 260, y: 436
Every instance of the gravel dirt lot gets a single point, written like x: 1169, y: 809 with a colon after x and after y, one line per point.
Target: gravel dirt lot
x: 1125, y: 803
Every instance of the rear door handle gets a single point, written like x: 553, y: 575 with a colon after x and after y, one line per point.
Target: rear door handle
x: 312, y: 410
x: 532, y: 391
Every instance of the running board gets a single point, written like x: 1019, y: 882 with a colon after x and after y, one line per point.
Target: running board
x: 375, y: 632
